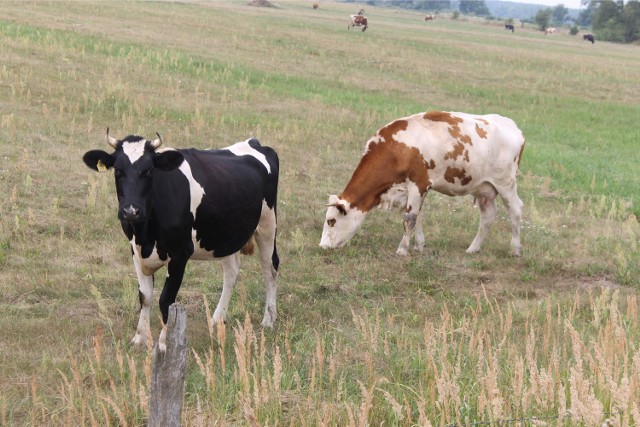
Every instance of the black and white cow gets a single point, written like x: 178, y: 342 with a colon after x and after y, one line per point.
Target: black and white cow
x: 176, y: 205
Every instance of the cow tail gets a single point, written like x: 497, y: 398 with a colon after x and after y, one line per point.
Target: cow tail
x: 275, y: 260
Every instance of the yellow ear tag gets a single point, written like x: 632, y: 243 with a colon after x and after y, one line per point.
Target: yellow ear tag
x: 101, y: 167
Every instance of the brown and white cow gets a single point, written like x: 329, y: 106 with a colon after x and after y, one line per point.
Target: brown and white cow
x: 550, y: 31
x: 357, y: 21
x: 429, y: 17
x: 452, y: 153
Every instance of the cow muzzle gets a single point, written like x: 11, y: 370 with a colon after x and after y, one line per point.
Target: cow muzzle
x: 130, y: 213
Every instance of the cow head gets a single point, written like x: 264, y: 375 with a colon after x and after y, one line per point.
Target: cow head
x: 133, y: 162
x: 341, y: 223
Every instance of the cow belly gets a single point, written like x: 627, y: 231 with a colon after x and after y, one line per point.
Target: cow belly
x: 395, y: 197
x: 199, y: 253
x: 152, y: 263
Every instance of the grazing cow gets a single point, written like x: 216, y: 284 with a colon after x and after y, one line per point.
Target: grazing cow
x: 429, y: 17
x: 361, y: 12
x: 357, y: 21
x: 550, y: 31
x: 315, y: 6
x: 452, y: 153
x: 176, y: 205
x: 589, y: 37
x: 509, y: 27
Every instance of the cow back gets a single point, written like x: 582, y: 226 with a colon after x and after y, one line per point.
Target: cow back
x: 216, y: 198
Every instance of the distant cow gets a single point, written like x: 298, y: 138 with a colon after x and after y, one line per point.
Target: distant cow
x: 589, y: 37
x: 176, y: 205
x: 316, y: 5
x: 361, y: 12
x: 509, y: 27
x: 550, y: 31
x: 357, y: 21
x: 452, y: 153
x: 429, y: 17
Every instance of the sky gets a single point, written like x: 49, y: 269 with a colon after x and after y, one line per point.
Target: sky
x: 570, y: 4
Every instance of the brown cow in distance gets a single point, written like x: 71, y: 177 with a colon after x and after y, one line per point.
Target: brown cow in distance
x: 315, y: 6
x: 358, y: 21
x: 429, y: 17
x: 589, y: 37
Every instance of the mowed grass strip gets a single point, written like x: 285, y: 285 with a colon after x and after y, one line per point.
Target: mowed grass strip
x: 363, y: 336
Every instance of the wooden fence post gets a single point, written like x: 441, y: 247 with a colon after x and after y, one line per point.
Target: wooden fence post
x: 168, y: 371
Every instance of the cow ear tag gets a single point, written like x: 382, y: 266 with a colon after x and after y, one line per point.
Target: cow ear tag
x: 101, y: 167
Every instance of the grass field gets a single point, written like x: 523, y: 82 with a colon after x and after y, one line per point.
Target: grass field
x: 363, y: 337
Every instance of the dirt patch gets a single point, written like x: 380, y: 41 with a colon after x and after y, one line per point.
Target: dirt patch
x: 260, y: 3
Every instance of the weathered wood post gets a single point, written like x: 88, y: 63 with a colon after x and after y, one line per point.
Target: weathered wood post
x: 168, y: 371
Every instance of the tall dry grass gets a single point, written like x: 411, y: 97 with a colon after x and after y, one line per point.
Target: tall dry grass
x: 490, y: 364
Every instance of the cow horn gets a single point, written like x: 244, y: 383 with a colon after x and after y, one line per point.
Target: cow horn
x: 156, y: 143
x: 111, y: 140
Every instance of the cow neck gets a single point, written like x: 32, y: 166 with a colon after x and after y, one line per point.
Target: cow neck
x: 375, y: 174
x: 387, y: 162
x: 379, y: 168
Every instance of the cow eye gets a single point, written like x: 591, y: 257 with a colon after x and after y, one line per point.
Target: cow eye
x: 118, y: 173
x: 147, y: 172
x: 331, y: 222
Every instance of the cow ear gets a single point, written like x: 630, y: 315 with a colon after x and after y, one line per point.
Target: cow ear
x: 335, y: 202
x: 168, y: 160
x: 98, y: 160
x: 341, y: 208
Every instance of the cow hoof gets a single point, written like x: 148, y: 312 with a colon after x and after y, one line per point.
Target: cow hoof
x: 162, y: 347
x: 138, y: 339
x: 402, y: 252
x: 269, y: 318
x: 515, y: 252
x: 219, y: 317
x: 472, y: 250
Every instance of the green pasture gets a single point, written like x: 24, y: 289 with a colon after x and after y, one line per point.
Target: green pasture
x: 363, y: 337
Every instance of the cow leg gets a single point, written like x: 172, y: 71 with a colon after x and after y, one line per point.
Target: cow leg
x: 230, y: 270
x: 487, y: 217
x: 419, y: 236
x: 266, y: 239
x: 411, y: 217
x: 515, y: 207
x: 175, y: 273
x: 145, y: 294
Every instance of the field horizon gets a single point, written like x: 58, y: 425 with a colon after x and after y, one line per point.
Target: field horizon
x: 363, y: 337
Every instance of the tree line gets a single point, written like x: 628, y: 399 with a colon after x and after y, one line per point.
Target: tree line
x: 610, y: 20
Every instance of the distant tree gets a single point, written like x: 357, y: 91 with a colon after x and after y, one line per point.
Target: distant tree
x: 474, y: 7
x: 631, y: 21
x: 606, y: 14
x: 585, y: 16
x: 431, y: 4
x: 543, y: 18
x: 560, y: 13
x: 615, y: 21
